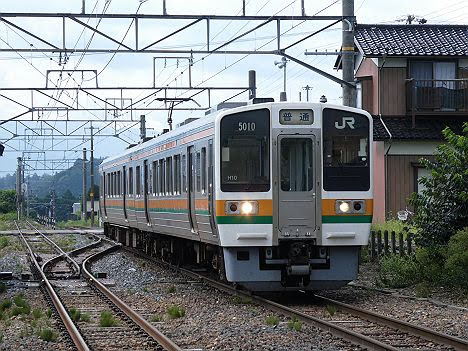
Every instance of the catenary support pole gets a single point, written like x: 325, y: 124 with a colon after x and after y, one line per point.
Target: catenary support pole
x: 83, y: 196
x: 91, y: 170
x: 347, y: 50
x: 18, y: 187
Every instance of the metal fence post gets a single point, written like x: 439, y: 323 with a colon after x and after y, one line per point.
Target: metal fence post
x: 379, y: 243
x: 401, y: 245
x: 386, y: 242
x: 393, y: 242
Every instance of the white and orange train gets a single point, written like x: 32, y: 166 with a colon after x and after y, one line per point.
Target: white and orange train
x: 274, y: 196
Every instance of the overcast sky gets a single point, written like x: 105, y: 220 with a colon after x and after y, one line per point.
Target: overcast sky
x: 28, y: 69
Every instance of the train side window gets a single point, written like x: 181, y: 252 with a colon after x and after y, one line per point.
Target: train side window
x: 138, y: 180
x: 119, y: 184
x: 108, y: 184
x: 184, y: 174
x: 162, y: 178
x: 203, y: 170
x: 112, y: 183
x: 130, y: 181
x: 177, y: 174
x: 169, y: 175
x: 197, y: 165
x: 155, y: 177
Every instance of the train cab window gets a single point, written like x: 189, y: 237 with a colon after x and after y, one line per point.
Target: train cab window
x: 177, y: 174
x: 245, y: 151
x: 130, y: 181
x: 346, y: 164
x: 184, y: 173
x: 138, y: 180
x: 203, y: 170
x: 296, y: 164
x: 155, y: 177
x: 198, y: 171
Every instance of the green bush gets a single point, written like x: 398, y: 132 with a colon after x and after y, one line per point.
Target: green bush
x: 175, y: 311
x: 430, y: 262
x: 456, y: 264
x: 398, y: 272
x: 442, y: 208
x: 106, y: 319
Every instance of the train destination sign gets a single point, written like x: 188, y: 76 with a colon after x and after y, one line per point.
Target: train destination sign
x: 296, y: 117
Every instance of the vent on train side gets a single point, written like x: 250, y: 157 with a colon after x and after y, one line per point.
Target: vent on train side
x: 224, y: 105
x: 187, y: 121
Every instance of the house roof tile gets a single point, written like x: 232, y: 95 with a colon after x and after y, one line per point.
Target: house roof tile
x: 426, y: 128
x: 376, y: 40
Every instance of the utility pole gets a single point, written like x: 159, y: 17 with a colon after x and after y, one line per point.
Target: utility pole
x: 91, y: 194
x: 307, y: 88
x: 282, y: 65
x: 83, y: 197
x: 52, y: 209
x: 252, y: 85
x: 143, y: 126
x: 347, y: 53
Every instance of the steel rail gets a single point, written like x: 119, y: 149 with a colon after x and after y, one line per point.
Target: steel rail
x: 68, y: 258
x: 426, y: 333
x: 162, y: 339
x: 75, y: 335
x: 334, y: 329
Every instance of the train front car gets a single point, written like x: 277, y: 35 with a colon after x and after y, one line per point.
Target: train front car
x: 294, y: 196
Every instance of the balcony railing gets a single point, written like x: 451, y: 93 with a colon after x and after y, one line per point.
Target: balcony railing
x: 435, y: 96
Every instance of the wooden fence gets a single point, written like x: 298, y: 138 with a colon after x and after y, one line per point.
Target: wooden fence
x: 390, y: 244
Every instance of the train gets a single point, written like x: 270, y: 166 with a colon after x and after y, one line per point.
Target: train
x: 272, y: 196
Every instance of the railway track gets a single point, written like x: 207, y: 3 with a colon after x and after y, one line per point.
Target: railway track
x: 365, y: 328
x: 105, y: 322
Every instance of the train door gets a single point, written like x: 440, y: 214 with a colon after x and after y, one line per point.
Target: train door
x: 124, y: 195
x: 104, y: 192
x: 211, y: 206
x: 191, y: 188
x: 296, y: 191
x: 145, y: 189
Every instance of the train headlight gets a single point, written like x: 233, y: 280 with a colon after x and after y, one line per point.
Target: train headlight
x: 249, y: 207
x: 343, y: 206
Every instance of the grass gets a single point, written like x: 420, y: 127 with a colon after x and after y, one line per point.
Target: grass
x: 77, y: 223
x: 49, y: 313
x: 5, y: 304
x: 242, y: 300
x: 3, y: 288
x: 272, y: 320
x: 77, y: 316
x: 36, y: 313
x: 175, y: 311
x: 48, y: 335
x: 156, y: 318
x: 4, y: 242
x: 171, y: 289
x: 331, y: 309
x: 106, y: 319
x: 422, y: 290
x: 85, y: 317
x: 295, y: 324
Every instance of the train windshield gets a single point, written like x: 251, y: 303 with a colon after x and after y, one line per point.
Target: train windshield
x: 245, y: 155
x: 346, y: 163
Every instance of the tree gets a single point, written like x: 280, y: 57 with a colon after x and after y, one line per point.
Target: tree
x: 442, y: 208
x: 7, y: 201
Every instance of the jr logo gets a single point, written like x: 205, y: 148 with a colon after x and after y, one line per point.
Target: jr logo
x: 345, y: 121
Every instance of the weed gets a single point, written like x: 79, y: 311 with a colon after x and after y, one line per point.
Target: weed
x: 175, y: 311
x: 5, y: 304
x: 2, y: 316
x: 37, y: 313
x: 106, y: 319
x: 3, y: 288
x: 422, y: 290
x: 16, y: 311
x: 171, y: 289
x: 85, y: 317
x: 48, y: 335
x: 156, y: 318
x: 331, y: 309
x: 295, y: 324
x: 20, y: 301
x: 272, y: 320
x: 398, y: 272
x: 1, y: 337
x: 242, y: 300
x: 75, y: 314
x: 49, y: 313
x: 4, y: 242
x: 24, y: 332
